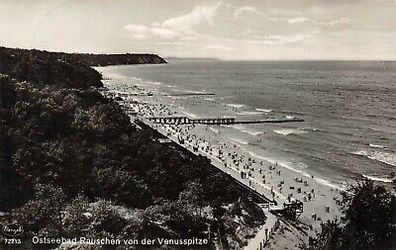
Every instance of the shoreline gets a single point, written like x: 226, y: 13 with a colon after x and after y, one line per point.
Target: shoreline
x: 280, y: 183
x: 179, y: 105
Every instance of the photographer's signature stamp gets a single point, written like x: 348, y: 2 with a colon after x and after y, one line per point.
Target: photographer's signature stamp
x: 11, y: 232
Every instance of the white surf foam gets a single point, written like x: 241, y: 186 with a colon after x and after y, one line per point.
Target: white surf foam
x: 292, y: 167
x: 376, y: 178
x: 155, y: 83
x: 138, y: 81
x: 384, y: 157
x: 245, y: 130
x: 238, y: 141
x: 194, y: 91
x: 281, y: 163
x: 289, y: 131
x: 114, y: 76
x: 190, y: 114
x: 234, y: 105
x: 264, y: 110
x: 376, y: 146
x: 214, y: 130
x: 176, y: 97
x: 250, y: 113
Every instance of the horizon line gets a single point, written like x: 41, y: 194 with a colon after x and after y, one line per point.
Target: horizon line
x: 279, y: 59
x: 208, y: 57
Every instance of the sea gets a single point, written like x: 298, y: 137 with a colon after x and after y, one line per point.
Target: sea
x: 348, y: 107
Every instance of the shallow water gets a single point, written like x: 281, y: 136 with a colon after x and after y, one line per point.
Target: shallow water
x: 348, y: 108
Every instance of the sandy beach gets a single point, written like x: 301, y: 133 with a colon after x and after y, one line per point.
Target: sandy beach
x: 274, y: 180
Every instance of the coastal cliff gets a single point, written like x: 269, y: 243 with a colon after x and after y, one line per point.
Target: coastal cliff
x: 66, y: 149
x: 62, y: 69
x: 117, y: 59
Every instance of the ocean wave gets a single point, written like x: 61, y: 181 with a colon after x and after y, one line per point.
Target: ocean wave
x: 330, y: 184
x: 282, y: 163
x: 214, y: 130
x: 245, y: 130
x: 384, y: 157
x: 203, y: 91
x: 376, y: 178
x: 238, y: 141
x: 113, y: 76
x: 258, y: 111
x: 376, y: 146
x: 289, y: 131
x: 176, y: 97
x: 250, y: 113
x: 142, y: 82
x: 234, y: 105
x: 264, y: 110
x: 190, y: 114
x: 293, y: 112
x: 154, y: 83
x: 298, y: 168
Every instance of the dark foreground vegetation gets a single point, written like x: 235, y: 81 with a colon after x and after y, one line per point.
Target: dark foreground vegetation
x: 369, y: 221
x: 72, y: 163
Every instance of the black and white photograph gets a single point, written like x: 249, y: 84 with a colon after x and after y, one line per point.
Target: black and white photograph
x: 198, y: 124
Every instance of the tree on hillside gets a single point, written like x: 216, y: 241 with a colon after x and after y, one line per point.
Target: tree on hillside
x: 369, y: 221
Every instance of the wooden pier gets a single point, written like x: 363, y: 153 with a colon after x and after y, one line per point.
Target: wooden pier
x: 180, y: 120
x: 186, y: 120
x: 282, y: 120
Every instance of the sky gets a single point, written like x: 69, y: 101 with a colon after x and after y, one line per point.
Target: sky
x: 227, y: 29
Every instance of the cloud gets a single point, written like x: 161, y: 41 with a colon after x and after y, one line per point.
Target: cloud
x: 247, y: 32
x: 164, y: 33
x: 136, y: 28
x: 142, y: 32
x: 218, y: 48
x: 241, y: 12
x: 283, y: 12
x: 279, y: 15
x: 139, y: 36
x: 271, y: 15
x: 199, y: 15
x: 186, y: 29
x: 189, y: 38
x: 288, y: 39
x: 180, y: 27
x: 341, y: 20
x: 279, y: 39
x: 139, y: 32
x: 301, y: 19
x: 171, y: 43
